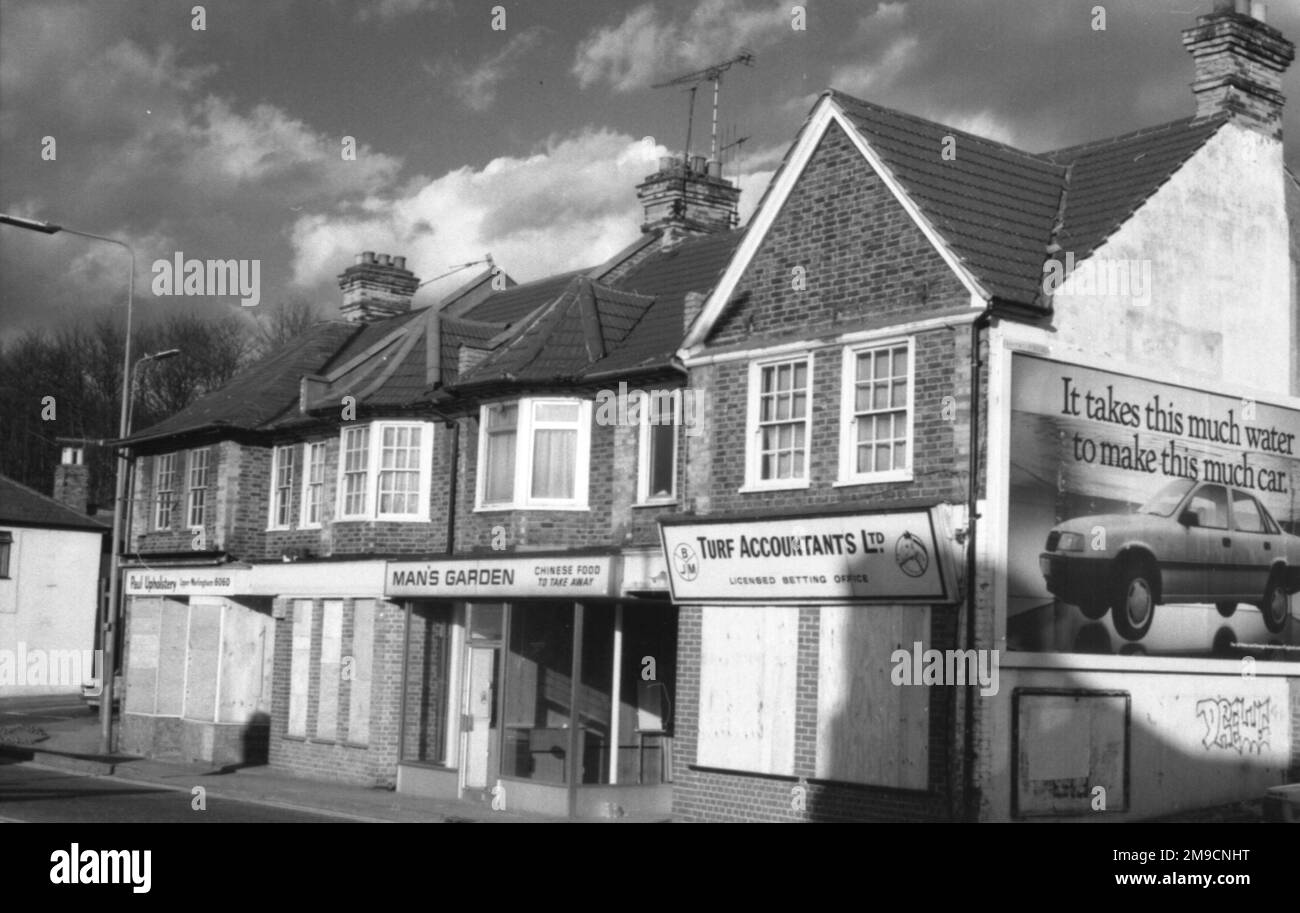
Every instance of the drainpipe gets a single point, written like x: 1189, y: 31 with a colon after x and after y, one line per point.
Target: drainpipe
x: 451, y: 491
x: 972, y: 493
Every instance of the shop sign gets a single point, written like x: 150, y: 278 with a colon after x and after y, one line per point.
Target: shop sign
x: 561, y: 576
x: 880, y: 557
x: 184, y: 582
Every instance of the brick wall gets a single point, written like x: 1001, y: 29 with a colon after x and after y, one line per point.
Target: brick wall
x: 714, y: 795
x: 862, y: 263
x: 374, y: 763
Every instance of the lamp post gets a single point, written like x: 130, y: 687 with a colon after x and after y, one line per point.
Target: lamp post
x: 119, y: 506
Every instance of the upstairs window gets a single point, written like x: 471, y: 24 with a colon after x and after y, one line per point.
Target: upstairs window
x: 164, y: 488
x: 6, y: 549
x: 282, y: 486
x: 198, y: 486
x: 876, y: 430
x: 780, y: 414
x: 660, y: 420
x: 356, y: 463
x: 313, y: 490
x: 534, y: 454
x: 384, y: 471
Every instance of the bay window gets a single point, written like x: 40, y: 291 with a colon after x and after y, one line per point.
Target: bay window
x: 384, y: 471
x: 534, y: 453
x: 281, y: 486
x: 313, y: 485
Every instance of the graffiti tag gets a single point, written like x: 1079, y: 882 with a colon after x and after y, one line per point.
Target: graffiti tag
x: 1240, y: 725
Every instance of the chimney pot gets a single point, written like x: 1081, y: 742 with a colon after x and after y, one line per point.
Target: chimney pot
x: 1259, y: 10
x: 715, y: 169
x: 384, y: 260
x: 368, y: 256
x: 697, y: 163
x: 399, y: 262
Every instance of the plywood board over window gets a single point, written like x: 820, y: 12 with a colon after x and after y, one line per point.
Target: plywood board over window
x: 331, y: 656
x: 870, y: 730
x: 1071, y: 750
x: 362, y: 657
x: 749, y: 659
x: 300, y: 667
x: 204, y: 640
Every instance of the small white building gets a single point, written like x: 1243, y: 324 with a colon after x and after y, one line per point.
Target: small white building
x: 49, y: 586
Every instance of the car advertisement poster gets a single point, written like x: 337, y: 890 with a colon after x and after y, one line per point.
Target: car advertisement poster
x: 1150, y: 518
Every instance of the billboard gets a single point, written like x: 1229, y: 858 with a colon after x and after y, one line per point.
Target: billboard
x: 1149, y: 518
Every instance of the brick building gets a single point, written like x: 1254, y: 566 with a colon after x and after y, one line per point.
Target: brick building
x: 923, y: 324
x: 694, y: 529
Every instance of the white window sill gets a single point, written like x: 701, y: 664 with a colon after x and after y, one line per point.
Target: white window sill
x: 279, y: 529
x: 792, y: 485
x: 382, y: 518
x: 884, y: 477
x: 662, y: 502
x: 501, y: 508
x: 309, y: 526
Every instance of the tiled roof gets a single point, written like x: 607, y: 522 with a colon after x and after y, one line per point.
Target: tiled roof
x: 563, y: 339
x: 994, y: 205
x: 998, y: 207
x: 514, y: 304
x: 20, y: 505
x: 1111, y: 179
x: 692, y: 265
x: 264, y: 391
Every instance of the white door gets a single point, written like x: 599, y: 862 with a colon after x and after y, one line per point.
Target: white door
x: 479, y: 718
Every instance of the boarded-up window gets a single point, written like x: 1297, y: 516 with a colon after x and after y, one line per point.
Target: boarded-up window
x: 359, y: 671
x: 300, y: 667
x: 747, y: 688
x: 870, y: 730
x: 172, y: 640
x: 1071, y: 748
x: 142, y: 658
x: 203, y: 640
x: 331, y: 655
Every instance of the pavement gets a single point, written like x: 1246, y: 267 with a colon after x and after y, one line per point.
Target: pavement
x: 70, y: 744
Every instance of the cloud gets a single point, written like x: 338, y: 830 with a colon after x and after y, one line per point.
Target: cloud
x: 390, y: 10
x: 145, y: 152
x: 476, y: 89
x: 570, y: 204
x: 870, y: 77
x: 646, y: 46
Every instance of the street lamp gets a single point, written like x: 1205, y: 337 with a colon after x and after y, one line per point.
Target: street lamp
x: 119, y: 506
x: 152, y: 356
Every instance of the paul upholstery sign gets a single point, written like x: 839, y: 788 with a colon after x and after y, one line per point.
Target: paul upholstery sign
x: 887, y: 557
x: 1149, y: 518
x: 186, y: 582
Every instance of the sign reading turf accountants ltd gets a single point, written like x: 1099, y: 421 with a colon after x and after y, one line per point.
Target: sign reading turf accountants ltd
x: 882, y: 557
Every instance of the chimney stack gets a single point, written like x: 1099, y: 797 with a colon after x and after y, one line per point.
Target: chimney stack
x: 72, y: 480
x: 1240, y: 60
x: 688, y: 196
x: 376, y: 287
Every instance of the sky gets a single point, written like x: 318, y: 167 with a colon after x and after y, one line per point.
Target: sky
x: 518, y: 129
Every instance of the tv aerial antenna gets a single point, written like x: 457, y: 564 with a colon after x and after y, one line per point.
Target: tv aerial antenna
x: 712, y: 74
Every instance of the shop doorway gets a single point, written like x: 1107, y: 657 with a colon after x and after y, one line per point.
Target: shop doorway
x: 480, y: 728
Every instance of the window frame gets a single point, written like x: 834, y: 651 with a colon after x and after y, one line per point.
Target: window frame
x: 644, y: 438
x: 304, y: 521
x: 525, y: 426
x: 848, y: 474
x: 753, y: 430
x: 192, y: 464
x: 374, y: 454
x: 160, y: 460
x: 272, y: 520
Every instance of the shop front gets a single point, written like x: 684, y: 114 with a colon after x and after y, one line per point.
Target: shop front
x: 539, y: 683
x: 799, y: 633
